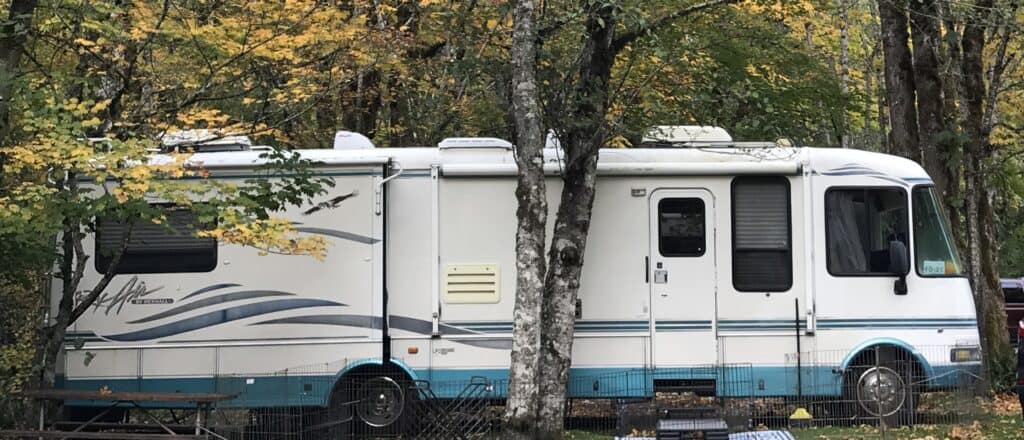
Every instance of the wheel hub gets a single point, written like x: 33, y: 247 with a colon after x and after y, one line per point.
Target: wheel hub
x: 381, y: 403
x: 881, y: 391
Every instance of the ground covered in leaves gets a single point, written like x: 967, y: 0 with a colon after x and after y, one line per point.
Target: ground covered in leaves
x: 1000, y: 420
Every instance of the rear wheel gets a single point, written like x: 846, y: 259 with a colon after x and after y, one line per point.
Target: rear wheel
x: 381, y: 402
x: 371, y: 402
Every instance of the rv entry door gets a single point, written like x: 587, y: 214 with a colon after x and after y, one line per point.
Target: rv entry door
x: 682, y: 277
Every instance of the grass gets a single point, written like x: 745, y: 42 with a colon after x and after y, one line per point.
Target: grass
x: 989, y: 427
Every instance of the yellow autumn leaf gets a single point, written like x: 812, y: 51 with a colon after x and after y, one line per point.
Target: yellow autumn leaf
x: 91, y: 122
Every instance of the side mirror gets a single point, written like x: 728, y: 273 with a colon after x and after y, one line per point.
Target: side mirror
x: 899, y: 264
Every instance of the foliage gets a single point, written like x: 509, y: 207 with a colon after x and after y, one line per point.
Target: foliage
x: 21, y: 302
x: 760, y: 82
x: 405, y: 73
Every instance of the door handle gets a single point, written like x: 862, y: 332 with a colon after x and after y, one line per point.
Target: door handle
x: 660, y: 276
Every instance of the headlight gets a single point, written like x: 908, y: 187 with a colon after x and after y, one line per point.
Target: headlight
x: 965, y: 354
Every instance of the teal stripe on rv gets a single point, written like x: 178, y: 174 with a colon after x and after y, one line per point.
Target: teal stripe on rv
x: 622, y: 382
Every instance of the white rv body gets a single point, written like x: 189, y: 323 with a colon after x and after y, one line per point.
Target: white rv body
x: 402, y: 252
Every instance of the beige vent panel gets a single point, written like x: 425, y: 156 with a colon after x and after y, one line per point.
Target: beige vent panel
x: 472, y: 283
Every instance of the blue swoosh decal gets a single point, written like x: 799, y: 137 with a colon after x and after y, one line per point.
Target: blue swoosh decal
x: 210, y: 289
x: 406, y: 323
x: 219, y: 317
x: 219, y: 299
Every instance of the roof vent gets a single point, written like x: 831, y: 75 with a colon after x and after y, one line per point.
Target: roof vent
x: 685, y: 136
x: 202, y: 141
x: 348, y: 140
x: 475, y: 142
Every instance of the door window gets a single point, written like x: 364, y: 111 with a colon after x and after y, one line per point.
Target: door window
x: 860, y: 226
x: 681, y: 227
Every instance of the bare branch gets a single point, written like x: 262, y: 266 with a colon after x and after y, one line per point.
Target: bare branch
x: 101, y: 285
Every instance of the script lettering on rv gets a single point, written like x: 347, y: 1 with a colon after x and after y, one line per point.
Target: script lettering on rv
x: 332, y: 203
x: 133, y: 291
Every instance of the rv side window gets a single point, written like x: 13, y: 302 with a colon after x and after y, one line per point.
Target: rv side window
x: 169, y: 247
x: 681, y: 227
x: 762, y: 257
x: 860, y: 226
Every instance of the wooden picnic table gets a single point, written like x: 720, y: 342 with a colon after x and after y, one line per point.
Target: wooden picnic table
x: 125, y: 396
x: 202, y: 402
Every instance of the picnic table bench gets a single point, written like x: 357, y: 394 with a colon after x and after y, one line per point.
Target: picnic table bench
x: 202, y: 402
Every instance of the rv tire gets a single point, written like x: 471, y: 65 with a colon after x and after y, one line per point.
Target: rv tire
x: 880, y: 385
x: 373, y: 402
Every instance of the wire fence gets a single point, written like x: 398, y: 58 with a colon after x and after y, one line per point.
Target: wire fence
x: 881, y: 389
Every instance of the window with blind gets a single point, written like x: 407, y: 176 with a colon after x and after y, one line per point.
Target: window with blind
x: 169, y: 247
x: 762, y: 250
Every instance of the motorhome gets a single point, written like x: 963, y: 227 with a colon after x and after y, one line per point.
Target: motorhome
x: 704, y: 254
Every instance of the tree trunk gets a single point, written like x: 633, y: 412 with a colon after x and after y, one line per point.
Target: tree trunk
x: 51, y: 334
x: 1001, y: 360
x: 844, y: 67
x: 924, y: 25
x: 583, y: 140
x: 951, y: 83
x: 13, y: 34
x: 982, y: 245
x: 899, y: 80
x: 522, y: 404
x: 71, y: 306
x: 565, y: 264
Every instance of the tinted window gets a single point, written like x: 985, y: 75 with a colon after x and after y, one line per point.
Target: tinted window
x: 1014, y: 294
x: 762, y: 256
x: 860, y: 226
x: 171, y: 246
x: 681, y: 227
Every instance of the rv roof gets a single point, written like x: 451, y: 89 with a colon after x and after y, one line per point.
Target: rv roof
x: 631, y: 161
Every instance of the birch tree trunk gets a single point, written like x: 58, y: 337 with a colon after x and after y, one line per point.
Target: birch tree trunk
x: 521, y: 407
x: 899, y: 80
x: 584, y: 131
x: 844, y: 66
x: 880, y: 96
x: 565, y: 259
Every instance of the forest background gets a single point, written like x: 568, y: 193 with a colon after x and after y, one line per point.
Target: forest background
x: 409, y: 73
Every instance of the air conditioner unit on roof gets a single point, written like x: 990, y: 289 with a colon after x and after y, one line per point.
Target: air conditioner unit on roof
x: 474, y: 142
x: 686, y: 134
x: 349, y: 140
x: 203, y: 140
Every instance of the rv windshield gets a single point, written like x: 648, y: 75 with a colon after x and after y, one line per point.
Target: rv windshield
x: 934, y: 250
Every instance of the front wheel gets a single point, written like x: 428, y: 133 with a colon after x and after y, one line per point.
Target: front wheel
x: 883, y: 390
